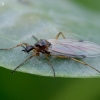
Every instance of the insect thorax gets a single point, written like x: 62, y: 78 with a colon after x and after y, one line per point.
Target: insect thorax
x: 42, y: 46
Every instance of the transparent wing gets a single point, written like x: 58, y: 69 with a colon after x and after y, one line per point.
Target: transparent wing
x: 74, y: 48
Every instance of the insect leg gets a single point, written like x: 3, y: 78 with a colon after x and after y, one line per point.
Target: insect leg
x: 50, y: 64
x: 35, y: 38
x: 16, y: 46
x: 23, y: 63
x: 60, y: 33
x: 85, y: 64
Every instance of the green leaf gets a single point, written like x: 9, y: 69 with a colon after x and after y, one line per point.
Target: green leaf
x: 19, y: 20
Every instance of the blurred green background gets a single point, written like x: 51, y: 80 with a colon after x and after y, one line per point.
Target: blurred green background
x: 22, y: 86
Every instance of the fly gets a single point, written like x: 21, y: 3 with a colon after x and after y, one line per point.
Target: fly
x: 62, y: 48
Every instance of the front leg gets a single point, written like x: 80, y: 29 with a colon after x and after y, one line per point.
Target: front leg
x: 16, y: 46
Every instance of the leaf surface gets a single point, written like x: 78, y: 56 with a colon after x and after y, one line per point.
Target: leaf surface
x: 19, y: 20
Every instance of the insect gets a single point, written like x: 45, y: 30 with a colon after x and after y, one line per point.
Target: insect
x: 62, y: 48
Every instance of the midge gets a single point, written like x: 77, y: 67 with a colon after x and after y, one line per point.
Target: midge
x: 62, y: 48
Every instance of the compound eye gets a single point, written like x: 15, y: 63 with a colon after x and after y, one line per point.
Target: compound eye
x: 29, y: 48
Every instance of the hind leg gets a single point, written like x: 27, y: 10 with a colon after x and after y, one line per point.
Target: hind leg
x: 84, y: 64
